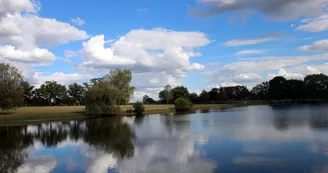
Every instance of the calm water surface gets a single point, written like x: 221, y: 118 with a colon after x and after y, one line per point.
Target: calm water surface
x: 260, y: 139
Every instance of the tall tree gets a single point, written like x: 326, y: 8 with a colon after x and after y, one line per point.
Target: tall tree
x: 214, y: 94
x: 261, y: 91
x: 316, y: 85
x: 11, y: 90
x: 76, y: 92
x: 277, y: 88
x: 193, y: 97
x: 121, y: 79
x: 27, y: 93
x: 180, y: 91
x: 53, y: 92
x: 166, y: 95
x: 204, y: 96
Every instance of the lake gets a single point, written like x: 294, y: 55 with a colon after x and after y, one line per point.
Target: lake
x: 264, y: 139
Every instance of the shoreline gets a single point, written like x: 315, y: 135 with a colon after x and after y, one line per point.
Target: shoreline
x: 30, y: 115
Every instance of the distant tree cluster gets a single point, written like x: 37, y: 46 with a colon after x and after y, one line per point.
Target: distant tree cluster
x: 100, y: 95
x: 312, y: 87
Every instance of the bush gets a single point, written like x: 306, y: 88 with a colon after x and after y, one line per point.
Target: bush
x: 182, y: 104
x: 139, y: 107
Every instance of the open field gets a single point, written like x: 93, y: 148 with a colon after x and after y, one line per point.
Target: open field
x: 50, y: 113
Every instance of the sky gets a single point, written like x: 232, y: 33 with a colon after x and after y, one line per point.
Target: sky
x: 199, y: 44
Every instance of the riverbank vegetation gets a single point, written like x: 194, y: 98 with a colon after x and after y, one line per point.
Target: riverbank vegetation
x: 109, y: 94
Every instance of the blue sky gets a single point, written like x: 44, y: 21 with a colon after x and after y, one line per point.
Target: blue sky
x: 197, y: 43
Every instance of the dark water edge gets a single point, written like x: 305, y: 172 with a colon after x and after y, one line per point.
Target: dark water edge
x: 282, y: 139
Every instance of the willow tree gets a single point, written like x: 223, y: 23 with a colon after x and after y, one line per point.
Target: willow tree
x: 105, y: 94
x: 11, y: 90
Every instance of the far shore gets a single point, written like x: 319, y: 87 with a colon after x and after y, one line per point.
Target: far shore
x: 23, y: 115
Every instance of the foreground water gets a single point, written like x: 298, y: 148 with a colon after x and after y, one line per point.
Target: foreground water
x: 247, y: 139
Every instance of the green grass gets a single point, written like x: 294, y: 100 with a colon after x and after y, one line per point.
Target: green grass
x: 51, y: 113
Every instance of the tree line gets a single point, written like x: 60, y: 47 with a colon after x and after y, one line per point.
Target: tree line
x: 313, y: 88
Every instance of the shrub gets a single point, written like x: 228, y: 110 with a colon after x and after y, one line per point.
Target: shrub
x: 182, y: 104
x: 139, y: 107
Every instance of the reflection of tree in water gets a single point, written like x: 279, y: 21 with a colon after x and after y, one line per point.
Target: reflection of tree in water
x: 12, y: 147
x: 319, y: 121
x: 138, y: 120
x: 51, y: 136
x: 281, y: 122
x: 110, y: 135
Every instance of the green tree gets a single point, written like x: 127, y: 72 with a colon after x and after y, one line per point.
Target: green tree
x: 180, y: 91
x: 11, y: 90
x: 316, y: 86
x: 166, y: 95
x: 204, y: 96
x: 53, y: 92
x: 182, y: 104
x: 193, y: 97
x: 214, y: 94
x: 27, y: 93
x: 277, y: 88
x: 76, y: 92
x: 121, y: 80
x: 261, y: 91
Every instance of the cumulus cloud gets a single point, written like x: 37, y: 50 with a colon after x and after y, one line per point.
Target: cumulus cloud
x: 318, y: 46
x: 246, y: 77
x: 251, y: 72
x: 274, y: 9
x: 12, y: 6
x: 318, y: 24
x: 242, y: 42
x: 78, y: 21
x: 288, y: 75
x: 34, y: 56
x: 61, y: 78
x: 21, y: 31
x: 141, y: 50
x: 250, y: 52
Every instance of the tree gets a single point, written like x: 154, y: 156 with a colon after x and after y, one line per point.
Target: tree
x: 76, y: 92
x: 294, y: 89
x: 214, y: 94
x: 105, y: 94
x: 53, y: 92
x: 277, y: 88
x: 166, y: 95
x: 180, y: 91
x: 147, y: 100
x: 261, y: 91
x: 11, y: 90
x: 204, y: 96
x: 182, y: 104
x: 316, y: 86
x: 193, y: 97
x: 27, y: 93
x: 121, y: 79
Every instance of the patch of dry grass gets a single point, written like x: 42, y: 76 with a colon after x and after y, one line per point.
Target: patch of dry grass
x: 64, y: 112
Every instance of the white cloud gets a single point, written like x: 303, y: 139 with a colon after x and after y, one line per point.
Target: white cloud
x: 242, y: 42
x: 141, y: 50
x: 246, y: 77
x: 62, y: 78
x: 288, y: 75
x: 318, y: 24
x: 21, y: 31
x: 70, y: 54
x: 318, y: 46
x: 12, y: 6
x: 34, y: 56
x: 78, y: 21
x: 250, y: 52
x: 274, y: 9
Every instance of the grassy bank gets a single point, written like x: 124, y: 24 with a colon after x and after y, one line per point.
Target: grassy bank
x: 51, y: 113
